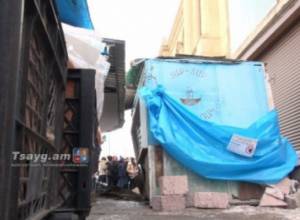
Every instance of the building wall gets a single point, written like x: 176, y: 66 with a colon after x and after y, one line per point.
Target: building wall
x: 200, y: 28
x: 276, y: 42
x: 284, y: 69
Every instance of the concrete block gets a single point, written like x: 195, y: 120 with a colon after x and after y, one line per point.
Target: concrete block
x: 284, y: 186
x: 168, y: 203
x: 214, y: 200
x: 173, y: 185
x: 293, y: 201
x: 274, y: 192
x: 248, y: 191
x: 270, y: 201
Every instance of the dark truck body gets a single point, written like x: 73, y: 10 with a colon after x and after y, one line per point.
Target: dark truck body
x: 114, y: 91
x: 80, y: 127
x: 33, y: 79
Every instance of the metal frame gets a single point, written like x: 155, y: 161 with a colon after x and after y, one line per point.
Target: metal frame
x: 80, y: 120
x: 32, y: 86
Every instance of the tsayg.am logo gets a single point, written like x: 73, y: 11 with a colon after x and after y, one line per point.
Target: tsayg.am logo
x: 79, y: 156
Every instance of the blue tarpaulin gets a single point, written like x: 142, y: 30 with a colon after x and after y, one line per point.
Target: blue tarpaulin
x: 74, y: 12
x: 198, y: 137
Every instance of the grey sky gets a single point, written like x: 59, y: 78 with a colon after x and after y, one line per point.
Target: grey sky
x: 142, y: 23
x: 244, y: 15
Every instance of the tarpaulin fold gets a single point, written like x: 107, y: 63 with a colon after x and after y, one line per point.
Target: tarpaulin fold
x: 201, y: 146
x: 74, y: 12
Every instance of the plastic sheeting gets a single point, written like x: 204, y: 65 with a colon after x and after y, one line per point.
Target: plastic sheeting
x: 74, y: 12
x: 231, y: 94
x: 84, y: 51
x: 199, y: 141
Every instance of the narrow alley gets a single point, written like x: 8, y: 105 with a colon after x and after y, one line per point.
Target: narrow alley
x: 150, y: 110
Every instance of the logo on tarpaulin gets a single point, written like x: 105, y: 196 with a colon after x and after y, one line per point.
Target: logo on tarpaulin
x: 190, y: 99
x: 80, y: 155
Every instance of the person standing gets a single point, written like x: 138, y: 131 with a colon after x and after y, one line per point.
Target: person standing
x: 115, y: 171
x: 122, y: 174
x: 103, y: 172
x: 109, y: 171
x: 133, y: 171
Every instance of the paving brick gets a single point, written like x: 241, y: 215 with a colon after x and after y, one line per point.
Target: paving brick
x: 173, y: 185
x: 215, y: 200
x: 271, y: 201
x: 168, y: 203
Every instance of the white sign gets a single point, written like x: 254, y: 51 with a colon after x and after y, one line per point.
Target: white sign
x: 242, y: 145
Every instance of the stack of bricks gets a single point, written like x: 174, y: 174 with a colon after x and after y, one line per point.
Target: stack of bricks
x: 175, y: 197
x: 173, y: 190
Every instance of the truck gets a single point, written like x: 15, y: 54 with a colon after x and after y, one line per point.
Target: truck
x: 48, y: 141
